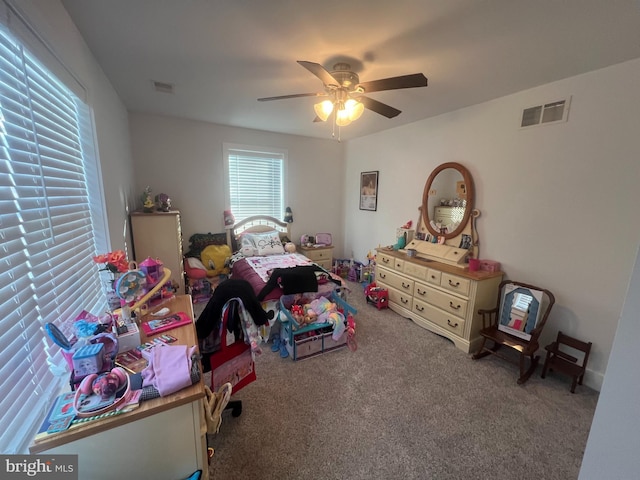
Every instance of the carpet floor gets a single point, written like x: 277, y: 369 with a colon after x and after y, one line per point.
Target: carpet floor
x: 406, y: 404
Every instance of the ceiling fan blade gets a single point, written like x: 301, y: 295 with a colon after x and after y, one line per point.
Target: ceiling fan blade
x: 379, y: 107
x: 296, y: 95
x: 395, y: 83
x: 320, y: 72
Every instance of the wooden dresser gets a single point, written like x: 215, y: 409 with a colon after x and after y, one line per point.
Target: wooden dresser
x: 441, y: 298
x: 159, y: 235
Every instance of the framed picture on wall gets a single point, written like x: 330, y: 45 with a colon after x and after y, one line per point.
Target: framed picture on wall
x: 369, y: 191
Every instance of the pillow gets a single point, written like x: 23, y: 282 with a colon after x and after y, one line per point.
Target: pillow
x: 194, y: 268
x: 268, y: 243
x: 247, y: 245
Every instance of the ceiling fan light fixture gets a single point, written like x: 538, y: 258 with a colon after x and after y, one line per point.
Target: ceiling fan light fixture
x: 342, y: 118
x: 354, y: 109
x: 323, y: 109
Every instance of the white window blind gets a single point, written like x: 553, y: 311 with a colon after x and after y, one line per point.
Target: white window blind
x: 50, y: 206
x: 255, y: 182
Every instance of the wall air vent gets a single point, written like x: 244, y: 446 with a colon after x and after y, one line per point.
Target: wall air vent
x: 163, y: 87
x: 553, y: 112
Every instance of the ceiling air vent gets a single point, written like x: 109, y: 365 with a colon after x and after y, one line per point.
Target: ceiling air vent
x: 163, y: 87
x: 553, y: 112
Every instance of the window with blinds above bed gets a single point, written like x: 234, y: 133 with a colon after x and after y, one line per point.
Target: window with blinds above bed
x: 255, y: 179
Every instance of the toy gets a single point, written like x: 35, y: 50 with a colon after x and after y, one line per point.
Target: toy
x: 351, y: 333
x: 106, y: 384
x: 377, y: 295
x: 214, y: 257
x: 88, y: 359
x: 153, y: 269
x: 289, y: 247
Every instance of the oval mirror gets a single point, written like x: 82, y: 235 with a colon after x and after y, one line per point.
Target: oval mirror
x: 447, y: 200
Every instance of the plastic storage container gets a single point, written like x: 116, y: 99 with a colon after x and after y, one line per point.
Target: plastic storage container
x: 315, y: 338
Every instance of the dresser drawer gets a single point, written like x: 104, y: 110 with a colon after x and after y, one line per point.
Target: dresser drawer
x: 385, y: 260
x: 449, y: 303
x: 398, y: 264
x: 439, y: 317
x: 398, y: 297
x: 455, y: 283
x: 417, y: 271
x: 318, y: 255
x: 399, y: 282
x: 434, y: 276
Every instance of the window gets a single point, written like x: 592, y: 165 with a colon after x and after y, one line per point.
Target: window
x: 50, y: 220
x: 255, y: 181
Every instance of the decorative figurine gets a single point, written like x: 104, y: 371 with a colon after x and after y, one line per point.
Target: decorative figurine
x: 147, y: 203
x: 163, y: 202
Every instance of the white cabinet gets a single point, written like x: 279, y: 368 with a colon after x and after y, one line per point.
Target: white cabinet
x: 439, y: 297
x: 159, y: 235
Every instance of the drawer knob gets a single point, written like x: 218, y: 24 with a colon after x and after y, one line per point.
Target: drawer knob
x: 456, y: 285
x: 406, y: 285
x: 385, y: 260
x: 452, y: 325
x: 454, y: 306
x: 419, y: 308
x: 422, y: 292
x: 382, y: 275
x: 404, y: 300
x: 433, y: 277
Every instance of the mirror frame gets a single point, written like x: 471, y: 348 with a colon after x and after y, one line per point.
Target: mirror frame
x: 466, y: 177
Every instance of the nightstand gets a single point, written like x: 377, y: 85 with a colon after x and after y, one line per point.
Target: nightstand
x: 323, y: 256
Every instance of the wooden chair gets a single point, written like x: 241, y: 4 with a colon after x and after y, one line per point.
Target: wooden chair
x: 563, y: 362
x: 516, y: 328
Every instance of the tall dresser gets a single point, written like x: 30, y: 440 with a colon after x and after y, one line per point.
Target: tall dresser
x: 439, y: 297
x: 159, y: 235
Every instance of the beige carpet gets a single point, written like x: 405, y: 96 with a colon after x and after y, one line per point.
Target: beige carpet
x: 406, y: 405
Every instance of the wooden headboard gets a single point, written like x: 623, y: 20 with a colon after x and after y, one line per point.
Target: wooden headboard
x: 257, y: 224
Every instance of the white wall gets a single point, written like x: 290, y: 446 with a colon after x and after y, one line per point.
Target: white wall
x: 53, y: 23
x: 558, y: 202
x: 612, y: 448
x: 184, y: 159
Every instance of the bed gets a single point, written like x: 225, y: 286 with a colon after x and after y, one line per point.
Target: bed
x: 262, y: 244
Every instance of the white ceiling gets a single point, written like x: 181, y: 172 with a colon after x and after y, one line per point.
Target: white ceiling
x: 222, y: 55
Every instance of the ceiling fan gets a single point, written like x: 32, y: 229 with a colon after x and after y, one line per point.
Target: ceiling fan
x: 346, y: 94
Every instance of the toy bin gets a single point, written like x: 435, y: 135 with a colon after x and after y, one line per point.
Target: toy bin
x: 313, y: 339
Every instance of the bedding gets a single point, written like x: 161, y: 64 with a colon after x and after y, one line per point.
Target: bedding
x: 260, y: 252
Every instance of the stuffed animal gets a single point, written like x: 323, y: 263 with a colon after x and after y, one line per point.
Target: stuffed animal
x: 214, y: 257
x: 323, y: 308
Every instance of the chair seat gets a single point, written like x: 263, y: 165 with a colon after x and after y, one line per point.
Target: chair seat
x: 503, y: 338
x: 565, y: 367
